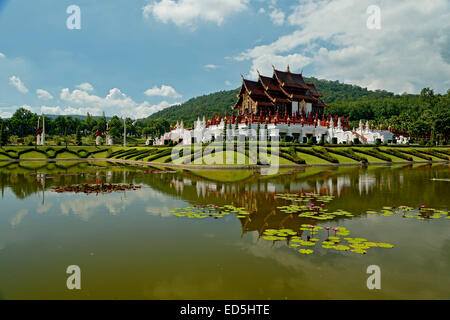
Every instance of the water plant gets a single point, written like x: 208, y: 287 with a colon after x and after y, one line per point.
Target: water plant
x: 209, y: 210
x: 336, y: 242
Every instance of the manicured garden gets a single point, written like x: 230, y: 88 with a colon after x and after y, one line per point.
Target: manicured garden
x: 288, y: 154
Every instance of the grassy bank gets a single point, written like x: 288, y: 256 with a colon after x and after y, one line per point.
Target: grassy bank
x: 288, y: 155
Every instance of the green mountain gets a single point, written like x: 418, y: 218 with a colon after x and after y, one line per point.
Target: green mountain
x: 222, y: 101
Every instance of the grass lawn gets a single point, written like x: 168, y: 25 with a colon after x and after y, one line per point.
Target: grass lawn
x: 210, y: 159
x: 394, y: 158
x: 66, y: 155
x: 343, y: 159
x: 162, y: 159
x: 312, y: 159
x: 370, y: 159
x: 32, y: 155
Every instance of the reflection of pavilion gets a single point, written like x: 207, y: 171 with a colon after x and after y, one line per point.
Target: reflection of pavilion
x: 352, y: 187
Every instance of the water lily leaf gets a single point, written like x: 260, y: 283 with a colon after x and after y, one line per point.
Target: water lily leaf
x: 385, y: 245
x: 272, y: 238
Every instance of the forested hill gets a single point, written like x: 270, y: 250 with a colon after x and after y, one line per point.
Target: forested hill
x: 221, y: 102
x: 207, y: 105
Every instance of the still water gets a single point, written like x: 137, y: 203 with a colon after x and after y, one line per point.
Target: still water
x: 130, y: 246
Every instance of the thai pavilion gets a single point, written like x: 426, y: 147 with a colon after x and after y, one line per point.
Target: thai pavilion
x: 283, y: 105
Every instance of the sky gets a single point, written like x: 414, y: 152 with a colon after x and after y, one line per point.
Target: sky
x: 134, y: 58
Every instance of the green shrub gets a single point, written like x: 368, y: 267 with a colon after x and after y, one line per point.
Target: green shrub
x: 374, y: 154
x: 432, y: 152
x: 417, y: 154
x: 318, y: 153
x: 397, y: 154
x: 349, y: 154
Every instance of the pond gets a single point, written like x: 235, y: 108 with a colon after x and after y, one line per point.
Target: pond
x: 224, y: 235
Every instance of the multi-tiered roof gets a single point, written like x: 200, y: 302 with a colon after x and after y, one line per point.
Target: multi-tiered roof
x: 283, y: 88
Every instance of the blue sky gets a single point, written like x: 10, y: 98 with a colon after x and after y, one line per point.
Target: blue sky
x: 136, y: 57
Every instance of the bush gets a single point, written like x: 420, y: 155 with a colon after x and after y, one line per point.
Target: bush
x: 374, y: 154
x: 432, y: 152
x: 356, y: 141
x: 318, y: 153
x: 334, y: 140
x: 417, y: 154
x: 397, y: 154
x: 378, y: 142
x: 349, y: 154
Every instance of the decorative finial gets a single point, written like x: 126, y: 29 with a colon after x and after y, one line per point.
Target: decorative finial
x: 288, y: 69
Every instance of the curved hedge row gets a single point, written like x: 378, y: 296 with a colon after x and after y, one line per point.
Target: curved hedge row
x: 447, y: 152
x: 296, y: 159
x: 417, y: 154
x: 349, y: 154
x: 374, y: 154
x: 395, y: 153
x: 316, y: 153
x: 434, y: 154
x: 51, y: 153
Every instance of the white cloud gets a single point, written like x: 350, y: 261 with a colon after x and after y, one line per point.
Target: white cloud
x: 409, y: 52
x: 16, y: 82
x: 42, y: 94
x: 115, y: 102
x: 263, y: 63
x: 145, y: 110
x: 261, y: 10
x: 188, y: 12
x: 5, y: 114
x: 164, y: 91
x: 228, y: 83
x: 277, y: 17
x: 115, y: 98
x: 2, y: 55
x: 85, y: 86
x: 70, y: 111
x: 210, y: 66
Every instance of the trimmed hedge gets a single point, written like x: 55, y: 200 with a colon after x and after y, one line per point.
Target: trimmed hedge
x: 59, y: 151
x: 160, y: 155
x: 9, y: 155
x: 431, y: 152
x: 397, y: 154
x: 374, y: 154
x: 323, y: 155
x: 349, y: 154
x: 296, y: 159
x: 447, y: 152
x: 417, y: 154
